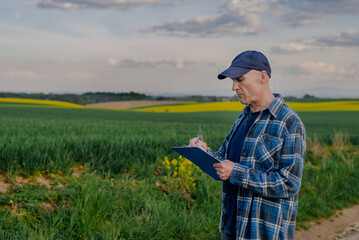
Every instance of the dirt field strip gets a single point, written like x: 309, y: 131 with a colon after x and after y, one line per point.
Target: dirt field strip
x: 46, y: 181
x: 128, y: 104
x: 335, y: 228
x: 349, y: 233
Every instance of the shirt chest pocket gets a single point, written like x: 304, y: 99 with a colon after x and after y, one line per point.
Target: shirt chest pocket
x: 267, y: 153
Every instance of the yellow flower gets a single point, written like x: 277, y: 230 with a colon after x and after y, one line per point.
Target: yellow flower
x: 183, y: 171
x: 174, y: 162
x: 40, y: 102
x: 167, y: 161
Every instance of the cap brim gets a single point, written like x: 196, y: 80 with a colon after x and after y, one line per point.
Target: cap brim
x: 233, y: 72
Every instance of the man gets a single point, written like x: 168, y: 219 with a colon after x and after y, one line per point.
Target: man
x: 262, y: 157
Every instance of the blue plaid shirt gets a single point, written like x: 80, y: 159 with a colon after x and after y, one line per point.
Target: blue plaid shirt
x: 268, y: 174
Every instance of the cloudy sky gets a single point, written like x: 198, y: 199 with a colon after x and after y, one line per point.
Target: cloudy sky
x: 177, y: 46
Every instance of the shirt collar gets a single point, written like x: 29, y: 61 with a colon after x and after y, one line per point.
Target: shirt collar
x: 274, y: 107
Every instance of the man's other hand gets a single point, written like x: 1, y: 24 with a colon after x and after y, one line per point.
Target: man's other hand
x: 194, y: 143
x: 224, y: 169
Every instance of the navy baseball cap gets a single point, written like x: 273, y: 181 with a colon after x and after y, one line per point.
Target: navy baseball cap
x: 245, y: 62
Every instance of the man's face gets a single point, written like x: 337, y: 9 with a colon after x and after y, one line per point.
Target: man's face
x: 248, y: 87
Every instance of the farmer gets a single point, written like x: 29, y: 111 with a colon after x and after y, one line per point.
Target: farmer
x: 262, y: 157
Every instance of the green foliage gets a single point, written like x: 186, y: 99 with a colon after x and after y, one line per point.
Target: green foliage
x: 330, y: 182
x: 324, y: 125
x: 53, y: 140
x: 116, y: 208
x: 120, y: 197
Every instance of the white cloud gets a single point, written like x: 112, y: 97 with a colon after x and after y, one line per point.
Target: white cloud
x: 79, y: 4
x: 151, y: 62
x: 345, y: 40
x: 181, y: 2
x: 302, y: 18
x: 19, y: 74
x: 308, y: 12
x: 155, y: 62
x: 247, y: 17
x: 293, y: 48
x: 319, y: 73
x: 349, y: 38
x: 80, y: 75
x: 113, y: 62
x: 236, y: 17
x: 319, y: 78
x: 61, y: 5
x: 323, y: 68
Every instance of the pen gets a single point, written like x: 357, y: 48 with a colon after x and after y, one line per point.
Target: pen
x: 199, y: 134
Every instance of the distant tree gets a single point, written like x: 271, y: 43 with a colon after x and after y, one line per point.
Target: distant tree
x: 306, y: 96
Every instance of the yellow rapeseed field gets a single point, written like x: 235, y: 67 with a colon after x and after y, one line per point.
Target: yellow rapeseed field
x: 326, y: 106
x: 25, y: 102
x: 192, y: 107
x: 237, y: 106
x: 197, y: 107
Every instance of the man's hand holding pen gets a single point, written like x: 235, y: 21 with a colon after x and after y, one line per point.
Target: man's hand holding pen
x: 195, y: 142
x: 224, y: 168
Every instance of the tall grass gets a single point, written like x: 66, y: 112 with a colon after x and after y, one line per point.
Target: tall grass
x: 36, y: 139
x: 122, y: 208
x: 120, y: 197
x: 330, y: 178
x: 130, y: 207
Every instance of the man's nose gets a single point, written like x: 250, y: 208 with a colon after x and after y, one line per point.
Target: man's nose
x: 234, y: 86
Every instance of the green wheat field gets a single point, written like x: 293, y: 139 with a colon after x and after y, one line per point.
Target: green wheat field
x: 111, y: 174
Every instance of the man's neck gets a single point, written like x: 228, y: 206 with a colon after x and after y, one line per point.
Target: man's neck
x: 264, y: 102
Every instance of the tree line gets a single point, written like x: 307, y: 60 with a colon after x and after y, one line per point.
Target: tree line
x: 96, y: 97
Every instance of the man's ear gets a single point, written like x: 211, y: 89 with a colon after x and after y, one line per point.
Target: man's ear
x: 263, y: 76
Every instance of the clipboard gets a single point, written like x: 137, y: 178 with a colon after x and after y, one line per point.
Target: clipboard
x: 201, y: 158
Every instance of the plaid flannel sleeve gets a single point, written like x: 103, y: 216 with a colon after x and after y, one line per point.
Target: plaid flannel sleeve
x: 281, y: 182
x: 221, y: 153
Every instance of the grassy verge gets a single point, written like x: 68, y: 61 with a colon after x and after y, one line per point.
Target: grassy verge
x: 330, y: 179
x: 177, y: 202
x: 93, y: 207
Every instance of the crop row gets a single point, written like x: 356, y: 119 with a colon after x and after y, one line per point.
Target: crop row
x: 37, y: 139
